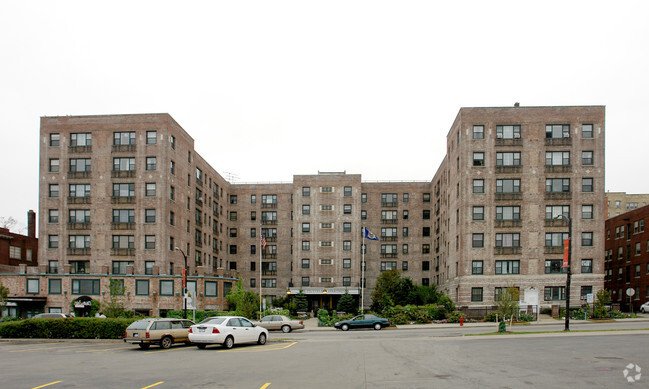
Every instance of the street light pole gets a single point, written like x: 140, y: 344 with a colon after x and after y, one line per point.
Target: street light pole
x: 569, y: 272
x: 184, y: 284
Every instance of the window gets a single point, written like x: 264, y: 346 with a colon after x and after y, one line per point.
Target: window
x: 363, y: 197
x: 81, y: 139
x: 347, y: 227
x: 404, y: 231
x: 508, y: 132
x: 149, y: 242
x: 85, y: 286
x: 141, y: 287
x: 405, y: 214
x: 586, y: 265
x: 52, y: 267
x: 347, y: 191
x: 172, y: 167
x: 305, y: 281
x: 123, y: 164
x: 478, y: 186
x: 557, y: 185
x: 123, y: 215
x: 586, y: 238
x: 166, y: 288
x: 211, y: 289
x: 53, y: 216
x: 476, y: 295
x: 587, y: 211
x: 508, y: 213
x: 363, y: 215
x: 79, y: 216
x: 347, y: 281
x: 389, y: 216
x: 151, y: 137
x: 586, y: 130
x: 388, y: 265
x: 119, y: 267
x: 54, y: 165
x: 55, y: 139
x: 124, y: 138
x: 555, y: 293
x: 149, y: 215
x: 478, y: 159
x: 508, y: 267
x: 306, y: 209
x: 123, y: 190
x: 476, y: 267
x: 347, y: 209
x: 52, y: 241
x: 586, y: 185
x: 406, y: 197
x: 268, y: 200
x: 554, y: 266
x: 53, y: 190
x: 79, y: 241
x: 79, y: 190
x: 555, y: 239
x: 15, y: 252
x: 389, y: 250
x: 508, y: 240
x: 347, y: 263
x: 306, y: 263
x: 508, y: 186
x: 585, y: 291
x: 389, y: 199
x: 555, y: 131
x: 477, y: 240
x: 553, y: 211
x: 426, y: 198
x: 151, y: 163
x: 425, y: 248
x: 478, y: 132
x: 172, y: 142
x: 404, y: 248
x: 326, y: 189
x: 54, y: 286
x: 123, y: 242
x: 426, y: 214
x: 306, y: 227
x: 347, y: 245
x: 587, y: 158
x: 32, y: 286
x: 306, y: 245
x: 306, y: 191
x: 557, y: 158
x: 425, y: 265
x: 148, y: 267
x: 508, y: 159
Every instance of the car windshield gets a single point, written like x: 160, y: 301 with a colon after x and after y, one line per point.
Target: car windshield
x: 213, y: 320
x: 139, y: 325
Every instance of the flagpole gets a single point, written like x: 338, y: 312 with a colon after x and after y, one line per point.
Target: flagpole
x: 363, y: 248
x: 260, y: 255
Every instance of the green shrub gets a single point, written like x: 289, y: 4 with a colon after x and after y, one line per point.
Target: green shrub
x: 69, y: 328
x: 616, y: 315
x: 491, y: 316
x: 526, y: 317
x: 575, y: 313
x: 454, y: 317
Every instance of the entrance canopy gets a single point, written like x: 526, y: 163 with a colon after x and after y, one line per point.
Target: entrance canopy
x: 331, y: 291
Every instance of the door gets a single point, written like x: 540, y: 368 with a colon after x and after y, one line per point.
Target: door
x: 251, y: 333
x: 235, y: 328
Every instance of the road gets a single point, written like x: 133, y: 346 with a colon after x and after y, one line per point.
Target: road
x: 425, y: 358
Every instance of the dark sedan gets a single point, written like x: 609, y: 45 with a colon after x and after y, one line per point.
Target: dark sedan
x: 363, y: 321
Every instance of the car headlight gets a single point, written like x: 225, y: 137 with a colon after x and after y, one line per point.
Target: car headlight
x: 337, y: 323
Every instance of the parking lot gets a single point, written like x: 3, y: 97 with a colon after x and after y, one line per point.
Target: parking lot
x: 354, y: 359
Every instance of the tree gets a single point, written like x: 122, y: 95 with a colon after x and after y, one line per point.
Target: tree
x: 508, y: 302
x: 4, y: 295
x: 244, y: 302
x: 115, y: 306
x: 8, y: 222
x: 347, y: 304
x: 301, y: 303
x: 599, y: 308
x: 386, y: 283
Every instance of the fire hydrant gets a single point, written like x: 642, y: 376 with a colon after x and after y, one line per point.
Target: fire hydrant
x: 461, y: 321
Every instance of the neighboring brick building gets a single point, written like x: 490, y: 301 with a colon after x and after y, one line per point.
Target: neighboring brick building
x: 508, y: 173
x: 627, y: 257
x: 618, y: 203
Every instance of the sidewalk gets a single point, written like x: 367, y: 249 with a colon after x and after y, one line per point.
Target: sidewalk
x: 312, y: 324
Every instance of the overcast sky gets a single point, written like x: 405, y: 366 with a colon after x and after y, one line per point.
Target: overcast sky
x: 270, y: 89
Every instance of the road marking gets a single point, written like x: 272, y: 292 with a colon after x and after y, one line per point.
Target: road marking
x: 163, y: 351
x: 265, y: 385
x: 156, y: 384
x: 259, y: 348
x: 51, y: 383
x: 55, y: 348
x: 106, y: 349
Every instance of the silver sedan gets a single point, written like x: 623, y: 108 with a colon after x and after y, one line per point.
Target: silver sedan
x: 280, y: 322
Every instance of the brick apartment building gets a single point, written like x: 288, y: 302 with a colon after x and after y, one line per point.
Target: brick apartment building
x: 618, y: 203
x: 627, y: 258
x: 119, y: 193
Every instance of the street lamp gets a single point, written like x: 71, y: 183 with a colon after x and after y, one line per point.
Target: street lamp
x: 184, y: 284
x: 562, y: 216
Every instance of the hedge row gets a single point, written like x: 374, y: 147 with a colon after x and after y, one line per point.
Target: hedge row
x: 68, y: 328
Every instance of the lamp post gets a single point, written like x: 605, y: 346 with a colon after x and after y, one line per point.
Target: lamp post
x: 567, y: 322
x: 184, y: 284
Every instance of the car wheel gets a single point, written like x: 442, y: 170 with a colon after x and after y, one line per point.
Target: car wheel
x: 262, y: 339
x: 345, y: 327
x: 229, y: 342
x: 144, y: 346
x: 166, y: 342
x: 201, y: 346
x: 286, y: 329
x: 377, y: 326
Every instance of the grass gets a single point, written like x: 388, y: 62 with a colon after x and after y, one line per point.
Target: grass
x: 553, y: 332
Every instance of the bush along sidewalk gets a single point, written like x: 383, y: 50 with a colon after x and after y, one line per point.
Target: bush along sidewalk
x: 69, y: 328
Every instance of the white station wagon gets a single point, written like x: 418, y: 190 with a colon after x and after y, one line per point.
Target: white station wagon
x: 226, y: 331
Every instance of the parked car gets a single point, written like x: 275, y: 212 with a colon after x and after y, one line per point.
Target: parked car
x: 363, y: 321
x: 50, y: 316
x: 163, y: 332
x: 226, y: 331
x: 280, y: 322
x: 644, y: 308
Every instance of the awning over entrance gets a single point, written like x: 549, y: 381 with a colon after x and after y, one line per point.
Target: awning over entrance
x: 331, y: 291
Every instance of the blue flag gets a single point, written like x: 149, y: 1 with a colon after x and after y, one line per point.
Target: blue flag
x: 367, y: 234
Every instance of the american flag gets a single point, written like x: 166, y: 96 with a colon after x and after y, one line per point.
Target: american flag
x: 263, y: 241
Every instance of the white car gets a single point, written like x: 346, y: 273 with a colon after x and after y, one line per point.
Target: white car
x: 644, y: 308
x: 226, y: 331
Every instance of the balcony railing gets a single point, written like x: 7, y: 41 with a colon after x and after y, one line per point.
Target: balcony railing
x: 123, y: 148
x: 509, y: 169
x: 509, y: 223
x: 556, y: 222
x: 269, y: 272
x: 553, y: 250
x: 79, y: 149
x: 198, y: 243
x: 507, y: 250
x: 268, y: 205
x: 122, y: 226
x: 84, y: 174
x: 509, y: 196
x: 78, y: 200
x: 123, y: 173
x: 268, y: 222
x: 123, y: 252
x: 509, y: 142
x: 558, y: 195
x: 388, y: 203
x: 389, y: 238
x: 558, y: 169
x: 388, y: 255
x: 558, y: 141
x: 79, y: 251
x: 79, y: 226
x: 122, y: 200
x: 389, y: 221
x: 269, y: 256
x: 271, y: 238
x: 199, y: 182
